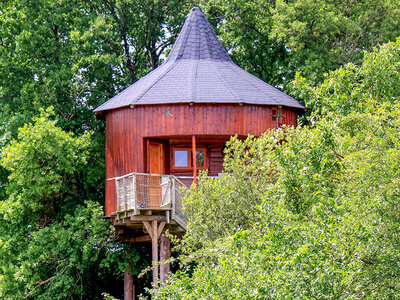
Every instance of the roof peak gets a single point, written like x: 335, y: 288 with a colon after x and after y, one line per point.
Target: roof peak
x: 199, y: 70
x: 197, y: 40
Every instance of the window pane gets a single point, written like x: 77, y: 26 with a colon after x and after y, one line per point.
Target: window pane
x: 181, y: 158
x: 200, y: 158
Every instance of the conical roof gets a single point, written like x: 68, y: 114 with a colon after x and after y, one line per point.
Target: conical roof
x: 199, y: 70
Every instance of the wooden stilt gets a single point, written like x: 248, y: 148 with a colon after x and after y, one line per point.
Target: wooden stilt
x: 194, y: 160
x: 154, y: 232
x: 129, y: 292
x: 165, y: 254
x: 154, y: 244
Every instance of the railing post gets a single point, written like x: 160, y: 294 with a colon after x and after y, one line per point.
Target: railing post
x: 171, y: 188
x: 125, y: 195
x: 134, y: 193
x: 117, y: 187
x: 173, y: 198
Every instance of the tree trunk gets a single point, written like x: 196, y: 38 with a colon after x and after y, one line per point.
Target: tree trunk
x: 165, y: 254
x: 129, y: 291
x: 154, y: 242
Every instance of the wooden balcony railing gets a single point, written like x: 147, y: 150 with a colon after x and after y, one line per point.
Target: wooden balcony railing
x: 137, y: 192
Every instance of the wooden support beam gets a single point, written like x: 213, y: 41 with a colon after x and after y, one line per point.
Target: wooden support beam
x: 160, y: 229
x: 139, y: 239
x: 165, y: 254
x: 149, y: 228
x: 119, y: 231
x: 154, y: 232
x: 194, y: 160
x: 154, y: 246
x: 147, y: 218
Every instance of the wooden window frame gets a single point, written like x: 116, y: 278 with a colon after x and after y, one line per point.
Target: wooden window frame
x: 189, y: 151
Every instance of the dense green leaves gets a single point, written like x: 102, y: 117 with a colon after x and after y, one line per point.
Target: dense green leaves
x: 68, y: 259
x: 354, y: 88
x: 328, y: 34
x: 43, y: 165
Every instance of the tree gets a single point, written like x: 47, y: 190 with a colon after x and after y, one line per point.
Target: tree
x: 328, y: 219
x: 275, y: 39
x: 328, y: 34
x: 53, y: 242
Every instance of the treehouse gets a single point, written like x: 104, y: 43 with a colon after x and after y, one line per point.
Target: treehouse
x: 175, y: 121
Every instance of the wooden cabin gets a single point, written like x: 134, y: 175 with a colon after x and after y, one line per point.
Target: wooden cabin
x: 174, y: 122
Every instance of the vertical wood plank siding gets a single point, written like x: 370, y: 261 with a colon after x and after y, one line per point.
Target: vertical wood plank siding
x: 127, y: 128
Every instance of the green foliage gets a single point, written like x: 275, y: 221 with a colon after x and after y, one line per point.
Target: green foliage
x: 328, y: 34
x: 43, y: 164
x: 66, y: 259
x: 328, y: 213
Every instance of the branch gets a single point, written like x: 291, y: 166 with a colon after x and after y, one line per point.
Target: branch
x: 337, y: 154
x: 44, y: 282
x: 128, y: 59
x: 164, y: 45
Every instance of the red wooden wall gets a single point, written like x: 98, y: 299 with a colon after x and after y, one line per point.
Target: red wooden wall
x: 128, y: 129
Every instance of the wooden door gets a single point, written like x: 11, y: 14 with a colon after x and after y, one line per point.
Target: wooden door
x: 156, y: 158
x: 156, y: 166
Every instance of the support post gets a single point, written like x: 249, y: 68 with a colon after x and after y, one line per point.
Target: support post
x: 165, y: 254
x: 154, y: 246
x: 129, y: 290
x: 194, y: 160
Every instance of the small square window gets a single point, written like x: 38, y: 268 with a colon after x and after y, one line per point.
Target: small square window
x: 181, y: 158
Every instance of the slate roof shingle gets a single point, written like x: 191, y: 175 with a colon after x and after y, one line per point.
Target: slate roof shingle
x: 199, y: 70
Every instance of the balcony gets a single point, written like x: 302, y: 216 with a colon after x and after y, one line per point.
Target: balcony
x: 144, y: 196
